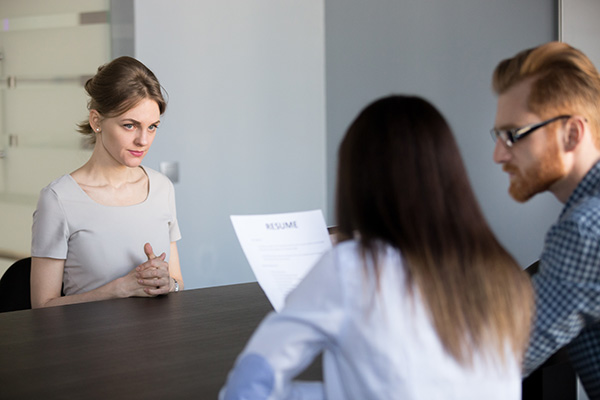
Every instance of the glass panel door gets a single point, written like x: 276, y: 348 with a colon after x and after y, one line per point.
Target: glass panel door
x: 47, y: 50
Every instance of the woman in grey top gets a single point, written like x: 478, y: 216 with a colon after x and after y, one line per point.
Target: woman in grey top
x: 96, y: 230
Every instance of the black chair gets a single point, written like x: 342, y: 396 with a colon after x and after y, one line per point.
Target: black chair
x: 15, y: 288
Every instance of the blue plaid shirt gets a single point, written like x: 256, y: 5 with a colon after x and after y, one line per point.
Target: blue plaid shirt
x: 567, y: 287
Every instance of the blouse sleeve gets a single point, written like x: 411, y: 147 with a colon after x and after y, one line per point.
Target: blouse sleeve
x: 174, y: 232
x: 285, y: 343
x: 50, y: 232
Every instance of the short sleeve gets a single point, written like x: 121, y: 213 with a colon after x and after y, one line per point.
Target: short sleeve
x: 174, y: 232
x: 50, y: 232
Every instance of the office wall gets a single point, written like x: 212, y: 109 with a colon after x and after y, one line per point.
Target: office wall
x: 245, y: 120
x: 579, y: 26
x: 444, y: 51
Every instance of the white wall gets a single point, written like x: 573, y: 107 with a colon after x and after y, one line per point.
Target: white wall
x: 247, y: 103
x: 245, y: 120
x: 444, y: 51
x: 579, y: 26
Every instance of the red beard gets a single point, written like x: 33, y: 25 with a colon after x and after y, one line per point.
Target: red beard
x: 538, y: 177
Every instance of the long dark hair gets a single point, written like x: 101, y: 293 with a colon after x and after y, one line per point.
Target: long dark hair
x: 401, y: 182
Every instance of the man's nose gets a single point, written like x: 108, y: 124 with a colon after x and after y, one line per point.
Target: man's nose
x: 501, y: 152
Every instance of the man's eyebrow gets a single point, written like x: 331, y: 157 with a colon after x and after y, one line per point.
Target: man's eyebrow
x: 505, y: 127
x: 511, y: 125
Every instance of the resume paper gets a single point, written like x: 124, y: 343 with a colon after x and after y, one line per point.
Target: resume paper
x: 282, y: 248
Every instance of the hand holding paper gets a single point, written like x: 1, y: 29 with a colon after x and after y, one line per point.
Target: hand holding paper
x: 282, y: 248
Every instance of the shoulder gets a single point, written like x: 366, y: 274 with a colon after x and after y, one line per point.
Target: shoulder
x: 153, y: 174
x: 346, y: 254
x: 157, y: 179
x: 348, y: 248
x: 354, y: 269
x: 335, y: 270
x: 572, y: 245
x: 54, y: 200
x: 349, y: 253
x: 583, y: 217
x: 60, y: 187
x: 582, y: 210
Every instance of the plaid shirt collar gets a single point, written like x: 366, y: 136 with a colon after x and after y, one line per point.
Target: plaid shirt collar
x: 589, y: 185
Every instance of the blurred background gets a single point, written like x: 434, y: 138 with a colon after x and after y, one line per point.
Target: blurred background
x: 260, y: 95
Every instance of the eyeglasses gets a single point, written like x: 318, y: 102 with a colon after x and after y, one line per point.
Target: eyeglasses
x: 510, y: 136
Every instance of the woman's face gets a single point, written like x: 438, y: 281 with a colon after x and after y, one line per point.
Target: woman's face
x: 127, y: 138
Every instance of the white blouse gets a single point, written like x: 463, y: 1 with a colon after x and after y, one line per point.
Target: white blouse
x: 377, y: 344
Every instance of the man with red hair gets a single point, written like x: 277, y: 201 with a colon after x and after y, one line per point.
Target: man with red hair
x: 547, y: 134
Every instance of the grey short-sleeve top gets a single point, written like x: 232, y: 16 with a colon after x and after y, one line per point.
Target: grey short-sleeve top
x: 101, y: 243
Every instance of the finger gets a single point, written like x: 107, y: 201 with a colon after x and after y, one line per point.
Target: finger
x: 147, y: 293
x: 154, y: 282
x: 155, y: 263
x: 149, y: 251
x: 154, y: 291
x: 152, y: 272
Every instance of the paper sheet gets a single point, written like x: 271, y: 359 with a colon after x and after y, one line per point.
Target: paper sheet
x: 282, y: 248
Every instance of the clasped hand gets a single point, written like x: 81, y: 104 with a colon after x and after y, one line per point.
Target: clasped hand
x: 152, y: 276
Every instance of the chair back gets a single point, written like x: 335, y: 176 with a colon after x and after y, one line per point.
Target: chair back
x: 15, y: 289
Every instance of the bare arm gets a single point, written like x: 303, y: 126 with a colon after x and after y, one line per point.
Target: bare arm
x: 152, y: 278
x: 174, y: 267
x: 146, y: 280
x: 46, y: 280
x: 46, y: 283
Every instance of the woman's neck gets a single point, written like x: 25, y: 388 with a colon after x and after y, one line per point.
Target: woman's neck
x: 104, y: 171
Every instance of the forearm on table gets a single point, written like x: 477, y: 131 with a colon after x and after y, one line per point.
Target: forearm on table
x: 179, y: 283
x: 105, y: 292
x: 175, y: 267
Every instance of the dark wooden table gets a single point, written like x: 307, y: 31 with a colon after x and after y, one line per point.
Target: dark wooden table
x: 171, y: 347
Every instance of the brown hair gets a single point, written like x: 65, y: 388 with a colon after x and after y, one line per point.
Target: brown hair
x: 565, y: 82
x: 401, y: 182
x: 117, y: 87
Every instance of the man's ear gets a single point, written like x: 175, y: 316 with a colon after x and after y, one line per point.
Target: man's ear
x: 574, y: 131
